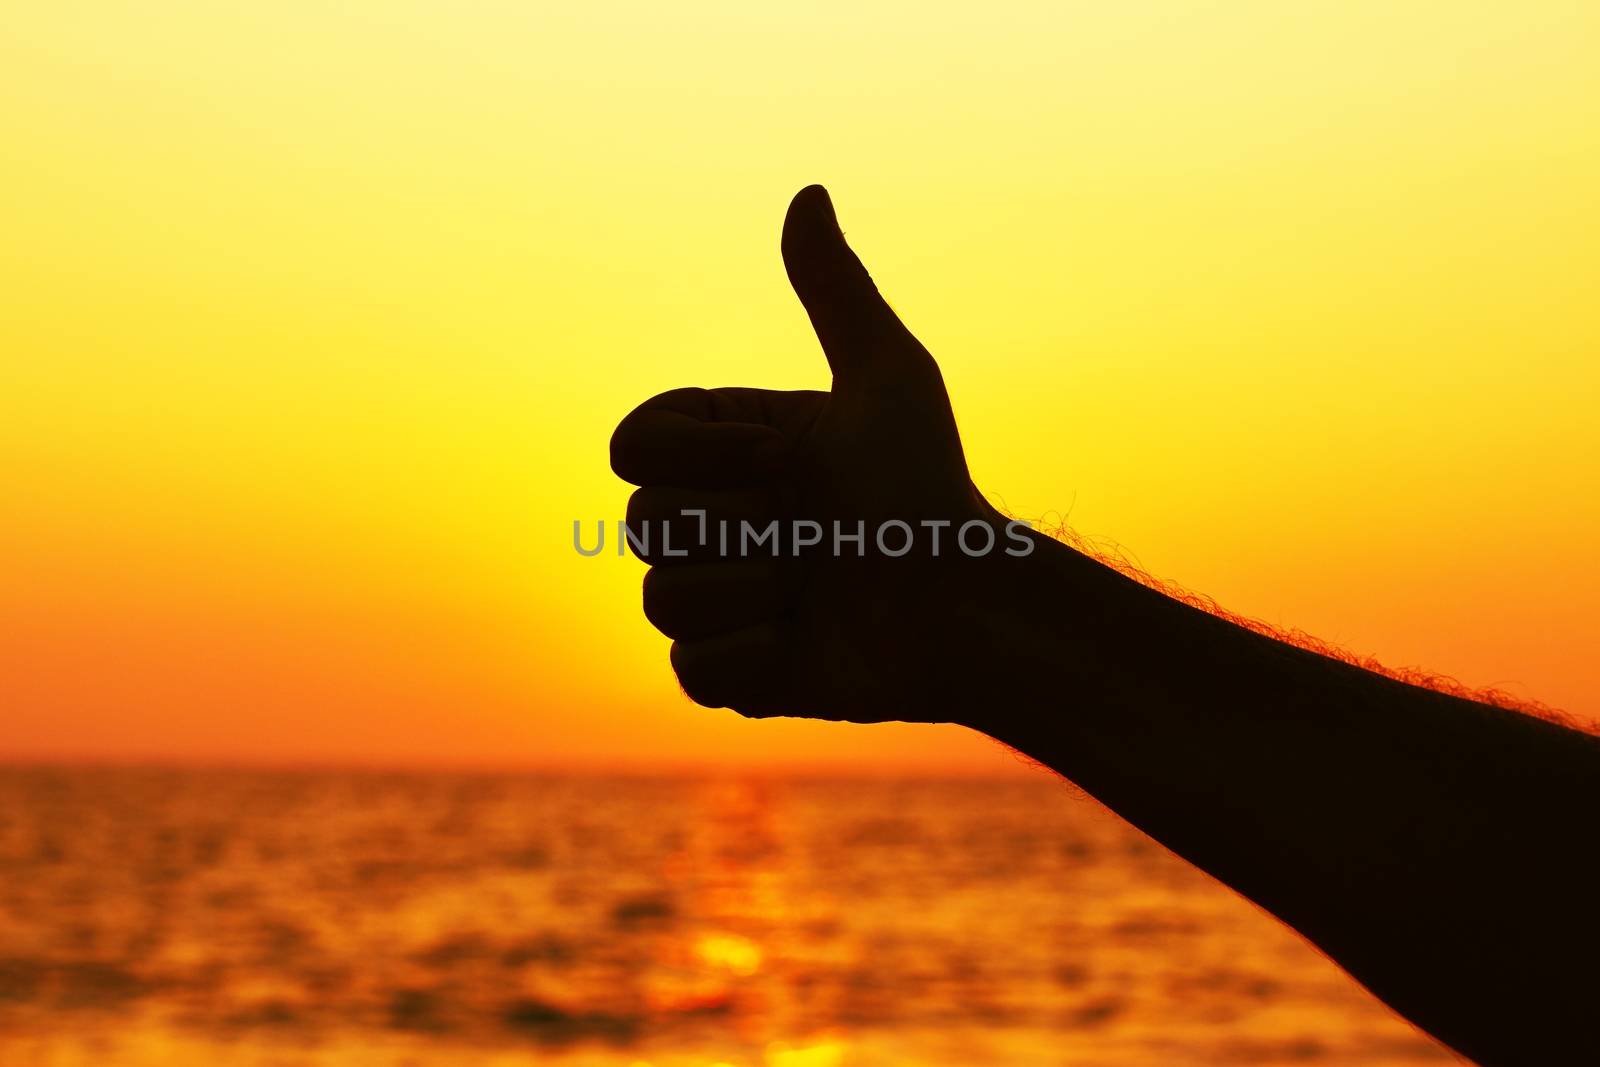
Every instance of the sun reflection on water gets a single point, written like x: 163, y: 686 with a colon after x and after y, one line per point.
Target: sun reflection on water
x: 730, y: 952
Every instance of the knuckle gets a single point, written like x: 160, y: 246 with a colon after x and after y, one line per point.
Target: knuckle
x: 693, y: 399
x: 695, y: 675
x: 621, y: 466
x: 657, y: 504
x: 636, y: 437
x: 625, y: 448
x: 657, y: 599
x: 639, y: 504
x: 660, y: 530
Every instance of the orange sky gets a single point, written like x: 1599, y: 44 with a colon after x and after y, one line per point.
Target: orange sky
x: 318, y: 321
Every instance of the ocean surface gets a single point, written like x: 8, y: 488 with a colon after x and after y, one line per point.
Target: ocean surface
x: 186, y: 917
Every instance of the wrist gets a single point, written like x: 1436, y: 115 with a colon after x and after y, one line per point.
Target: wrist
x: 1059, y: 633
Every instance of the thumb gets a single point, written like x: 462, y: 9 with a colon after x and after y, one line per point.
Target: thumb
x: 858, y: 330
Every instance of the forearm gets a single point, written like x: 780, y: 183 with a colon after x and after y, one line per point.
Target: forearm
x: 1440, y: 849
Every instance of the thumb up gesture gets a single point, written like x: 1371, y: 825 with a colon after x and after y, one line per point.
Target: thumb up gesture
x: 817, y: 553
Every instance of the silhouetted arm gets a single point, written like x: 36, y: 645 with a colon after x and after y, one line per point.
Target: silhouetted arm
x: 1445, y: 852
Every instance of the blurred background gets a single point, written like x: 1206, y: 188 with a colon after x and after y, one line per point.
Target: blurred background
x: 321, y: 742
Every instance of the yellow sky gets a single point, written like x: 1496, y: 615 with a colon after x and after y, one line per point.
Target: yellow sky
x: 317, y: 319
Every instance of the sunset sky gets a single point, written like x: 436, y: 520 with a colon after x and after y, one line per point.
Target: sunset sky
x: 317, y: 319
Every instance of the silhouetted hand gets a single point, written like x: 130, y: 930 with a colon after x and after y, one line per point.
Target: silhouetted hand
x: 1439, y: 848
x: 856, y: 630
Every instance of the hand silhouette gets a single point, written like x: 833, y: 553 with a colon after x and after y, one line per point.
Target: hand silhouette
x: 859, y: 632
x: 1439, y: 848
